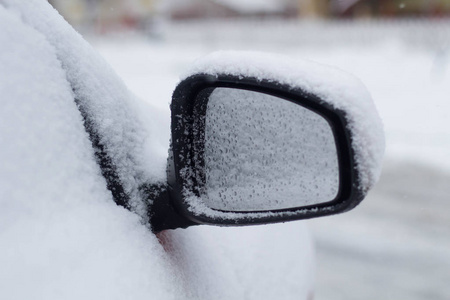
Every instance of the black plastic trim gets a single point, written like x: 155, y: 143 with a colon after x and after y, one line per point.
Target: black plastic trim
x: 107, y: 167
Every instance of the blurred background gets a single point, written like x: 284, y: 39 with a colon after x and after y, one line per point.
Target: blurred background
x: 396, y: 244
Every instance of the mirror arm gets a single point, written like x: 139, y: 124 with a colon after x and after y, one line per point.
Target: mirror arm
x: 161, y: 213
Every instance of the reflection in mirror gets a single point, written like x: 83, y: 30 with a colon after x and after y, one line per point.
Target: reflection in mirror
x: 266, y: 153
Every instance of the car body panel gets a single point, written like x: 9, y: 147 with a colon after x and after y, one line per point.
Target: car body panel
x: 62, y: 236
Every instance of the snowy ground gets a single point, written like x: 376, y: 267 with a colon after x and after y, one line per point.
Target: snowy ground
x: 396, y: 245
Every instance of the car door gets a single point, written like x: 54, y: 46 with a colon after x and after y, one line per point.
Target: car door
x: 62, y: 235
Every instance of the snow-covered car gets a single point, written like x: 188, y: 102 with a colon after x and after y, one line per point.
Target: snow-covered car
x: 83, y: 184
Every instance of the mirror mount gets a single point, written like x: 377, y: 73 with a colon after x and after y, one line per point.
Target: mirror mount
x: 161, y: 213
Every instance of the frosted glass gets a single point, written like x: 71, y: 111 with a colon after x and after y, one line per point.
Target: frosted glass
x: 266, y: 153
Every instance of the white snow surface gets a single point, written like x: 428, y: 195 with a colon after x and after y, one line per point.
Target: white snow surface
x: 111, y: 107
x: 61, y: 234
x: 334, y: 86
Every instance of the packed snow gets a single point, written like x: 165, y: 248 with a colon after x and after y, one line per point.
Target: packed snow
x: 110, y: 108
x: 61, y: 234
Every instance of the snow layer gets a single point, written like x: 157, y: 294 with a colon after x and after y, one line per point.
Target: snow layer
x: 100, y: 93
x: 336, y: 87
x: 61, y: 234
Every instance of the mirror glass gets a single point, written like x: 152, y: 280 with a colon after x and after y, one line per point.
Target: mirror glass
x: 266, y: 153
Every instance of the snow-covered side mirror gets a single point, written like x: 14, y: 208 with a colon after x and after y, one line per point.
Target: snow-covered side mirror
x: 257, y: 139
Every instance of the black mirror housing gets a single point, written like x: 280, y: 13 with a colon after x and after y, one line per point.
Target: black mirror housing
x: 357, y: 166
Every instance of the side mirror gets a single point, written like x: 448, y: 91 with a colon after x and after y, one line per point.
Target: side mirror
x: 253, y: 149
